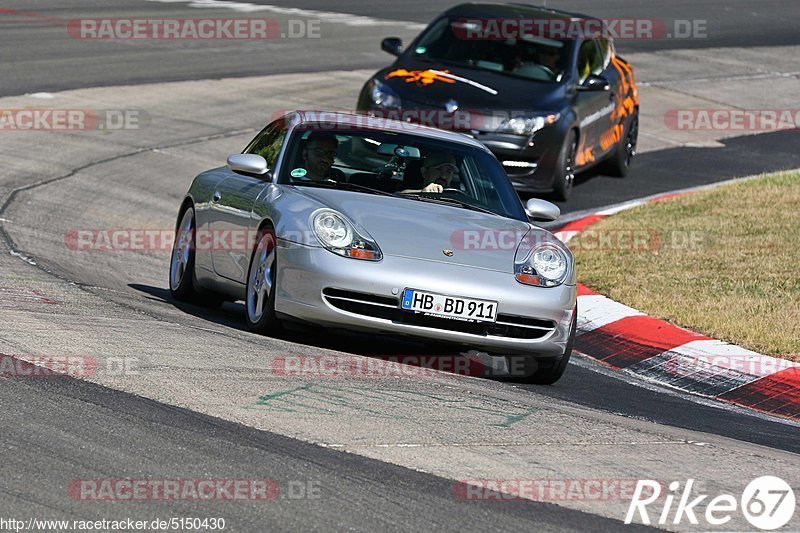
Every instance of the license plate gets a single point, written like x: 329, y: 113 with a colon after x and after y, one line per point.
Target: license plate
x: 449, y: 306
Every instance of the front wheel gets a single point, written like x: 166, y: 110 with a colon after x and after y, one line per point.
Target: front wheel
x: 565, y: 168
x: 546, y: 375
x: 619, y: 162
x: 261, y: 278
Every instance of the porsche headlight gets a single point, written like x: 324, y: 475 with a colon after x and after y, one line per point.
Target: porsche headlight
x: 383, y: 96
x: 340, y: 236
x: 549, y: 262
x: 528, y: 125
x: 332, y: 231
x: 544, y: 265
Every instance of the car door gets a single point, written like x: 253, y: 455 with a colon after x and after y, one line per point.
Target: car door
x: 593, y: 107
x: 232, y: 204
x: 620, y: 78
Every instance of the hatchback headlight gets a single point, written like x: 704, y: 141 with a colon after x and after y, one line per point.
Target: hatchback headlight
x: 528, y: 125
x: 340, y: 236
x: 383, y: 96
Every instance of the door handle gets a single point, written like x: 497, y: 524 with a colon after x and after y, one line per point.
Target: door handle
x: 216, y: 196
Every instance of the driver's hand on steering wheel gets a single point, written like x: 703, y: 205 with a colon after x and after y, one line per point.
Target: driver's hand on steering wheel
x: 433, y: 187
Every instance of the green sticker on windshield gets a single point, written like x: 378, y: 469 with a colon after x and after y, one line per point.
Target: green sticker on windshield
x: 298, y: 172
x: 420, y: 50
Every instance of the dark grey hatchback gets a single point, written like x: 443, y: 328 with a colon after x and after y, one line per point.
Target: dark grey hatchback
x: 544, y: 90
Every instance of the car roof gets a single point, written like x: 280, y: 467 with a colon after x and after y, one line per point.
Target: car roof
x: 364, y: 121
x: 475, y: 9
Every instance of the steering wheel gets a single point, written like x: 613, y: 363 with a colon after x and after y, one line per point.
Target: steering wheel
x: 536, y: 71
x: 455, y: 192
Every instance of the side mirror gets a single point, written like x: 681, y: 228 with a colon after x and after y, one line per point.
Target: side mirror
x: 594, y: 83
x: 392, y: 45
x: 248, y: 164
x: 542, y: 210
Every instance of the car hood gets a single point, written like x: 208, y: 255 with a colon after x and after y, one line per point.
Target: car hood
x: 421, y: 230
x: 475, y: 89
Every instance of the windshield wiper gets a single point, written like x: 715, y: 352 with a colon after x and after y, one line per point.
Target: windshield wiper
x: 449, y: 201
x: 343, y: 185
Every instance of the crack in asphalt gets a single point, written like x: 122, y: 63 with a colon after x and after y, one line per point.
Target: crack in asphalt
x: 32, y: 259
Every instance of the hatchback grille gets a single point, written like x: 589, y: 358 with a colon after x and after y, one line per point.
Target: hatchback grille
x: 387, y: 308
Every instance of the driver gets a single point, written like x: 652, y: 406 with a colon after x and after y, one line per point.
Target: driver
x: 437, y: 172
x: 549, y: 56
x: 318, y: 156
x: 543, y: 59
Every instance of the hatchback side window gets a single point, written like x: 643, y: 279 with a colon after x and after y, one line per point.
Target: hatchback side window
x: 589, y: 61
x: 606, y: 51
x: 269, y: 142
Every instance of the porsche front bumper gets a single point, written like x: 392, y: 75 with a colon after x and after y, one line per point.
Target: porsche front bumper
x: 319, y: 287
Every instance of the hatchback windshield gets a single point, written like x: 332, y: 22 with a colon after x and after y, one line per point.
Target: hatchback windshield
x: 400, y: 164
x: 451, y: 41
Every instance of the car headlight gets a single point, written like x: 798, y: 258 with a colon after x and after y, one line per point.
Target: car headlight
x: 383, y: 96
x: 340, y: 236
x: 528, y: 125
x: 544, y: 265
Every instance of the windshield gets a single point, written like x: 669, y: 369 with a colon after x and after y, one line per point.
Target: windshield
x: 452, y: 41
x: 404, y: 165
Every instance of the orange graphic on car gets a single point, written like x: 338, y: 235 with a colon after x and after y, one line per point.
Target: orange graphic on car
x: 611, y: 137
x: 420, y: 77
x: 627, y: 99
x: 584, y: 155
x: 628, y: 96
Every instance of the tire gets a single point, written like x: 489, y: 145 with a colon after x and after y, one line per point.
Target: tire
x: 565, y: 173
x: 261, y: 285
x: 183, y: 284
x: 618, y: 162
x: 546, y: 375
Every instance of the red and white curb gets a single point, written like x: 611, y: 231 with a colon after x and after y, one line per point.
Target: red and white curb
x: 626, y: 339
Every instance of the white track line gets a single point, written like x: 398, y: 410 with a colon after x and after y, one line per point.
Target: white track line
x: 347, y: 19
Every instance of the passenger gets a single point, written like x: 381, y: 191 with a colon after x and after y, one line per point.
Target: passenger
x: 437, y: 171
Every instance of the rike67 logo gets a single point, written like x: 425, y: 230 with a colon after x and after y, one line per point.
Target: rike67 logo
x: 768, y: 503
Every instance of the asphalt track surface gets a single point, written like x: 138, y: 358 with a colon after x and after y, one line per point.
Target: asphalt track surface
x: 38, y: 54
x: 59, y: 429
x: 170, y: 442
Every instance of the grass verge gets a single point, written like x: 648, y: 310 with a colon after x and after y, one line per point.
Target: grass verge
x: 724, y: 262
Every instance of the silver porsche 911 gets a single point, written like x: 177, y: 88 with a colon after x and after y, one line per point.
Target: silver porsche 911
x: 348, y: 221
